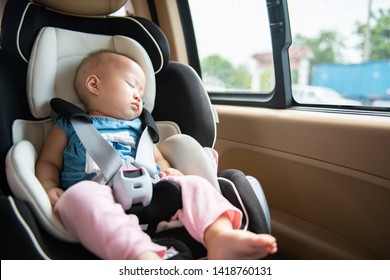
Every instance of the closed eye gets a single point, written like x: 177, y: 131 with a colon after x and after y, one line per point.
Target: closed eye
x: 136, y: 87
x: 131, y: 84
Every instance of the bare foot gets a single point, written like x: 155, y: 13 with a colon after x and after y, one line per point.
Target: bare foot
x: 224, y: 242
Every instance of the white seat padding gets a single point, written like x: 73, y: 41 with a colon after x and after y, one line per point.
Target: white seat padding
x: 25, y: 186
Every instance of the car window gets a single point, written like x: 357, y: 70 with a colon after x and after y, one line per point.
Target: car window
x: 340, y: 53
x: 234, y: 45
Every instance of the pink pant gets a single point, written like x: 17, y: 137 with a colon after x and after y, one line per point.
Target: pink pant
x: 89, y: 212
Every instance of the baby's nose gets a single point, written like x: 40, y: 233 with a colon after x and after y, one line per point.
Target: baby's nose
x: 137, y: 96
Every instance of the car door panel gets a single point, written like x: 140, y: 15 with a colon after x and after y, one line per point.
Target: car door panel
x: 326, y: 177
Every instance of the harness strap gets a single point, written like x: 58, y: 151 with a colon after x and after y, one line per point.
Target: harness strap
x: 98, y: 148
x: 105, y: 156
x: 166, y: 198
x: 145, y: 156
x: 148, y: 122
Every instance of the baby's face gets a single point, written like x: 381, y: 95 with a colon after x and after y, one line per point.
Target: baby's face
x: 122, y: 88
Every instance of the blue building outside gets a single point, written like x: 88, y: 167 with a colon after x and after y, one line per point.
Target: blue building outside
x: 364, y: 81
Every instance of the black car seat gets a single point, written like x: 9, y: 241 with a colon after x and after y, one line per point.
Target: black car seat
x: 29, y: 228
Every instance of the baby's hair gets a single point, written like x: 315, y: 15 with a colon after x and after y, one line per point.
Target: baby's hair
x: 93, y: 54
x: 90, y: 57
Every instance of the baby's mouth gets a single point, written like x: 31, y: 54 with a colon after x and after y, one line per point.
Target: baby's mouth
x: 136, y: 105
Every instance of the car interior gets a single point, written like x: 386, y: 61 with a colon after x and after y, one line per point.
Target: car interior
x: 51, y: 64
x: 316, y: 176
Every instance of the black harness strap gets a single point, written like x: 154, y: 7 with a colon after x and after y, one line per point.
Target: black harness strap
x: 148, y: 121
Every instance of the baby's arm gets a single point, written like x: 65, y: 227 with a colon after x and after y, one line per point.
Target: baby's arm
x: 167, y: 169
x: 50, y: 163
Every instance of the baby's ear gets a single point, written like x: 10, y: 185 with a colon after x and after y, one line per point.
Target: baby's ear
x: 92, y: 84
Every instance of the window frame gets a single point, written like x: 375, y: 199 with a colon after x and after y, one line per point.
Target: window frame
x: 281, y: 95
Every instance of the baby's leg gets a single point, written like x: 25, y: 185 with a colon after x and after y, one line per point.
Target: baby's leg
x: 213, y: 221
x: 89, y: 212
x: 224, y: 242
x: 202, y: 205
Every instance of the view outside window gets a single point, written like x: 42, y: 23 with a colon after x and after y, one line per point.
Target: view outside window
x: 341, y: 52
x: 234, y: 45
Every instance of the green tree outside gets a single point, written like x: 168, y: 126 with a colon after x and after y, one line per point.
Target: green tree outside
x: 220, y: 68
x: 380, y: 35
x: 327, y: 47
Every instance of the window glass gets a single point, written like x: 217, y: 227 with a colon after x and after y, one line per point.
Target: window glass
x: 341, y: 52
x: 234, y: 45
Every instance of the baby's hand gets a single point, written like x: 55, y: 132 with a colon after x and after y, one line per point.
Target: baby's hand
x: 170, y: 172
x: 148, y: 256
x: 54, y: 195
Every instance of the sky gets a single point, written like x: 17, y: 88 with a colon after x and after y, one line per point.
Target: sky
x: 228, y: 39
x: 307, y: 17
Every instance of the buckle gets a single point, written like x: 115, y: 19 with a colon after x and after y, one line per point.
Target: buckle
x: 132, y: 186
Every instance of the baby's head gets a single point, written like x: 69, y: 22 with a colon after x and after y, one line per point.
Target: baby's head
x: 111, y: 85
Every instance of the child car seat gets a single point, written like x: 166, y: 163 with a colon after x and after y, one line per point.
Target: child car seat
x: 245, y: 192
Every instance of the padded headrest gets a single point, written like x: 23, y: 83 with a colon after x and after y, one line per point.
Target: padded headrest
x: 83, y: 7
x: 23, y: 20
x: 55, y: 57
